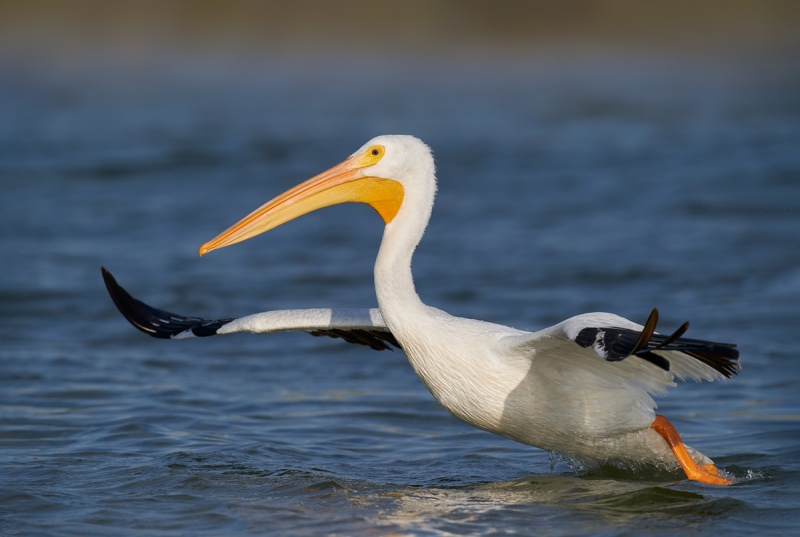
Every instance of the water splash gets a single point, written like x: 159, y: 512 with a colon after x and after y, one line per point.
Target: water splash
x: 574, y: 464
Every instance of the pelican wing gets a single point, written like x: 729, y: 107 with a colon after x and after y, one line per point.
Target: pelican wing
x: 617, y: 343
x: 631, y: 351
x: 363, y: 326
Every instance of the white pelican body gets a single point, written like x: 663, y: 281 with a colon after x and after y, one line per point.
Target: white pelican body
x: 567, y: 388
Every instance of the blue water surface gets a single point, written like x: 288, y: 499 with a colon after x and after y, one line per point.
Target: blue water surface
x: 609, y: 185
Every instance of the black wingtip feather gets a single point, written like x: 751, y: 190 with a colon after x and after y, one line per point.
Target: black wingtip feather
x: 655, y: 359
x: 647, y: 332
x: 619, y: 343
x: 379, y: 341
x: 152, y: 321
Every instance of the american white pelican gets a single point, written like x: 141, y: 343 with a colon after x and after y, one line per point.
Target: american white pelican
x: 582, y: 388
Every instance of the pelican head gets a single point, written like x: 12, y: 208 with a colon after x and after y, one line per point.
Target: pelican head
x: 382, y: 173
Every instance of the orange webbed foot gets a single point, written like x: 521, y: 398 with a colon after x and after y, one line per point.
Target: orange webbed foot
x: 707, y: 473
x: 711, y: 469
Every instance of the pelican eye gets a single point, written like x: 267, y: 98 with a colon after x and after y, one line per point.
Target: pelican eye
x: 373, y: 155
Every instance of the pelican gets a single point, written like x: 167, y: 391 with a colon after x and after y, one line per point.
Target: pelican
x: 583, y: 388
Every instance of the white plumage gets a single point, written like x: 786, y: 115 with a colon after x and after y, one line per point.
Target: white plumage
x: 309, y: 320
x: 582, y: 388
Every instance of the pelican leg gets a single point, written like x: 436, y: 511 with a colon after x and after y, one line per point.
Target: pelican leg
x: 705, y: 474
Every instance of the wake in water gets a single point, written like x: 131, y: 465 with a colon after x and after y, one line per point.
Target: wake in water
x: 637, y: 471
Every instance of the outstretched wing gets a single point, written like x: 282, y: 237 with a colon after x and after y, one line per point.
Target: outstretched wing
x: 602, y: 370
x: 633, y: 352
x: 363, y: 326
x: 617, y: 343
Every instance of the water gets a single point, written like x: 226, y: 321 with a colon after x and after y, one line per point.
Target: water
x: 611, y: 184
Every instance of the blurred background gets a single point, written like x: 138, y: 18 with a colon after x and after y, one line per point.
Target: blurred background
x: 592, y: 155
x: 148, y: 31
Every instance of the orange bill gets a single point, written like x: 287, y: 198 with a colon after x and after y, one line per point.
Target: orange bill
x: 348, y: 181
